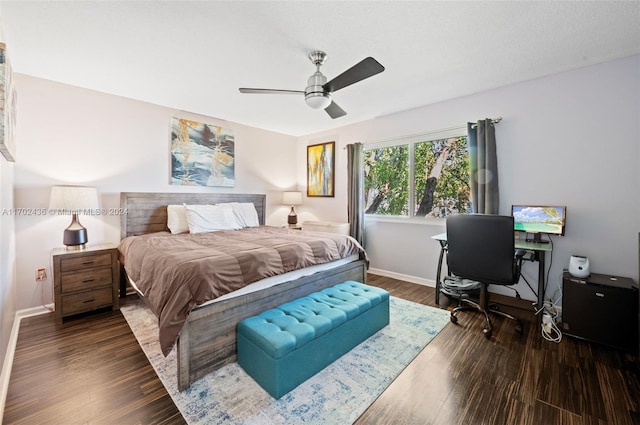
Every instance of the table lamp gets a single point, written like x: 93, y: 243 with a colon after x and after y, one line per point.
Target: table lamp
x: 73, y: 200
x: 292, y: 198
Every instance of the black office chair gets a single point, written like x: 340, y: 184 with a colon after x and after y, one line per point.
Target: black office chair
x: 481, y: 248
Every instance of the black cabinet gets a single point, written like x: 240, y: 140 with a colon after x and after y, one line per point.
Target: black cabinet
x: 601, y: 309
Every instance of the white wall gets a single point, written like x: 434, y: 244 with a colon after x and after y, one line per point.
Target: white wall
x: 570, y: 139
x: 69, y: 135
x: 8, y: 299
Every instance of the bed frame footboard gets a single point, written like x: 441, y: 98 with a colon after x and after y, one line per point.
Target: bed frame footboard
x: 208, y: 339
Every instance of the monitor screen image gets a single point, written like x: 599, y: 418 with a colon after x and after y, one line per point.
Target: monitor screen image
x: 538, y: 219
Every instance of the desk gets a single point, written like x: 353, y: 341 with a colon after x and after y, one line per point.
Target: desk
x: 539, y: 251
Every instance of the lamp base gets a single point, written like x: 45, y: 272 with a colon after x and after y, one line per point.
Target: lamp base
x: 292, y: 218
x: 75, y: 248
x: 75, y: 236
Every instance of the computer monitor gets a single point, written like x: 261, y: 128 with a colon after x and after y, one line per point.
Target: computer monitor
x: 538, y: 220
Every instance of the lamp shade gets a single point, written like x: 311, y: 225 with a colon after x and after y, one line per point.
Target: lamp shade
x: 73, y: 199
x: 292, y: 198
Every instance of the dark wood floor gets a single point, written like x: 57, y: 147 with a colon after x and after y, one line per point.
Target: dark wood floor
x: 86, y: 371
x: 91, y: 370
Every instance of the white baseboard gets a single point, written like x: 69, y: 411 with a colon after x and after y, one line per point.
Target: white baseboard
x: 405, y: 277
x: 11, y: 349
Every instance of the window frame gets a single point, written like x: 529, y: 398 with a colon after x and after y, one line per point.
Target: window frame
x: 411, y: 141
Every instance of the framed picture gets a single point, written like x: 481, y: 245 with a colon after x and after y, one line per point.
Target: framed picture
x: 201, y: 154
x: 321, y: 169
x: 7, y: 108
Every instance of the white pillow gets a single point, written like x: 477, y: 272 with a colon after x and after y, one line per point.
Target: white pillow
x: 211, y: 218
x: 177, y: 219
x: 246, y: 213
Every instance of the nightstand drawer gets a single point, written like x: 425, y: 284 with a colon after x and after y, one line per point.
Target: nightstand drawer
x: 87, y: 301
x: 85, y: 261
x: 84, y: 280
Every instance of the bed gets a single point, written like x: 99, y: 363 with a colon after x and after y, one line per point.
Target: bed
x: 207, y: 340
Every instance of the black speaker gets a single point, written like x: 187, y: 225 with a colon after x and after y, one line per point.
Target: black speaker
x: 601, y: 309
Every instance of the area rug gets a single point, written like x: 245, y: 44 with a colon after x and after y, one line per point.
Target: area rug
x: 339, y: 394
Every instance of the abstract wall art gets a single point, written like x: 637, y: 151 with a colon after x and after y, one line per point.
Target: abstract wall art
x: 321, y: 169
x: 201, y: 154
x: 7, y: 108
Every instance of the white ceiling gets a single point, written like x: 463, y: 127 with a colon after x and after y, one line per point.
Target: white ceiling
x: 193, y: 56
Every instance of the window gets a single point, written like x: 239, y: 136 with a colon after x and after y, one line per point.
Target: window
x: 421, y: 176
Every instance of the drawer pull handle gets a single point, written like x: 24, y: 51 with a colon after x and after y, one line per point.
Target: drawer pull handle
x: 89, y: 301
x: 86, y: 263
x: 88, y: 280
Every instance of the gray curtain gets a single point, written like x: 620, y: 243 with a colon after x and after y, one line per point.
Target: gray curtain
x: 483, y: 164
x: 355, y: 191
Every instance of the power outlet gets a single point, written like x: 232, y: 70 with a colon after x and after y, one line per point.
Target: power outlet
x: 41, y: 274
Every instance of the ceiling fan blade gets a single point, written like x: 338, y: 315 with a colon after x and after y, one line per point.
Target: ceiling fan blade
x: 269, y: 91
x: 364, y: 69
x: 335, y: 111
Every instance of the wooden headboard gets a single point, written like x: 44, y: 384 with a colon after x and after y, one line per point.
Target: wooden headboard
x: 147, y: 212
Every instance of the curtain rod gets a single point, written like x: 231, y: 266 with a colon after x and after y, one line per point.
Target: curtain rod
x: 493, y: 121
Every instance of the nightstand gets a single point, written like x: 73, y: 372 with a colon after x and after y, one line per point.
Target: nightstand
x: 85, y: 280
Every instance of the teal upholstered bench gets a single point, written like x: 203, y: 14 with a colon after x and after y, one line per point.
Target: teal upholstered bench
x: 283, y: 347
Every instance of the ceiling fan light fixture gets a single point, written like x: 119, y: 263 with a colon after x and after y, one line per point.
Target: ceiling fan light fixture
x: 318, y: 100
x: 317, y: 94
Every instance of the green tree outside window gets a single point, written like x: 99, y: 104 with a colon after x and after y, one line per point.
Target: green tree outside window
x: 440, y: 183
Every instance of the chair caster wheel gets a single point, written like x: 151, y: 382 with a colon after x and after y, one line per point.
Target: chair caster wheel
x: 487, y: 333
x: 454, y: 319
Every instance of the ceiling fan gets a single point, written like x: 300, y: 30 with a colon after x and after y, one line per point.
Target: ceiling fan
x: 318, y: 92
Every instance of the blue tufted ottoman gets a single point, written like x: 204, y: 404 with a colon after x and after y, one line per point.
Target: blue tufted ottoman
x: 283, y: 347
